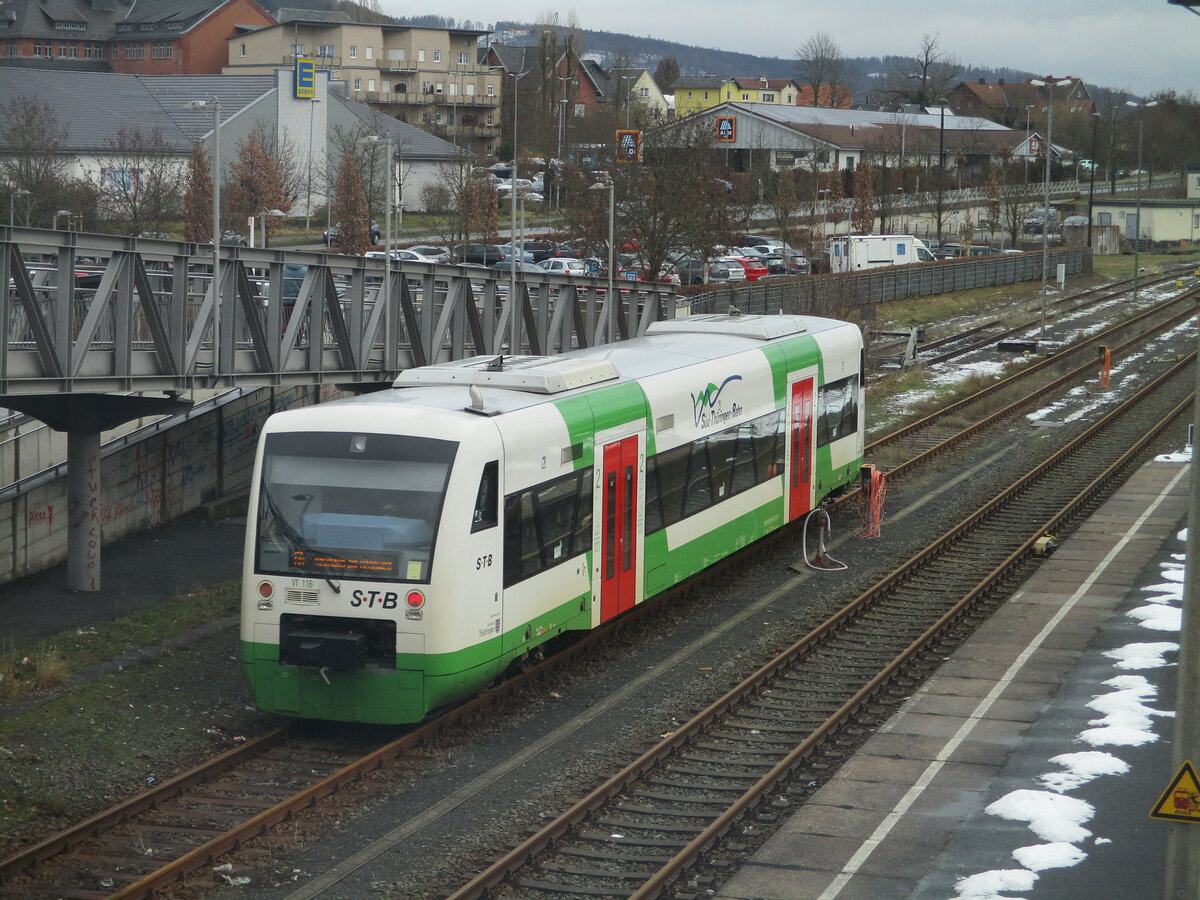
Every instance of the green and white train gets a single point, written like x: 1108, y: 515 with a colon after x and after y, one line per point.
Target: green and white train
x: 405, y: 547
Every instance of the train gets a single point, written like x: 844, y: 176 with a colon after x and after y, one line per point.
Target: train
x: 405, y: 547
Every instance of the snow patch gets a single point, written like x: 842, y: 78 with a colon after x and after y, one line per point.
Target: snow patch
x: 1050, y: 816
x: 1055, y: 855
x: 1157, y: 617
x: 1080, y: 768
x: 988, y: 885
x: 1142, y: 655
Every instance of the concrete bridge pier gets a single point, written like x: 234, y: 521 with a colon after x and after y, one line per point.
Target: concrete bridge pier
x: 84, y: 417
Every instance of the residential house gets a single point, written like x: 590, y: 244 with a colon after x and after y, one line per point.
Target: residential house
x: 1172, y: 221
x: 694, y: 93
x: 428, y: 77
x: 1021, y: 102
x: 165, y: 37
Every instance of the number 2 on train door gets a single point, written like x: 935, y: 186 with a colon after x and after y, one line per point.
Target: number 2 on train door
x: 800, y: 436
x: 618, y: 536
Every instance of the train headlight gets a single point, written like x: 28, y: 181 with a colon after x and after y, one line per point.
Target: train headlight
x: 266, y: 595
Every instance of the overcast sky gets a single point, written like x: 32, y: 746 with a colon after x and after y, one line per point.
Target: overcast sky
x: 1139, y: 45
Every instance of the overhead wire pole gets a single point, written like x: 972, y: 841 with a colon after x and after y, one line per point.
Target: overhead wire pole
x: 1137, y: 233
x: 1046, y: 195
x: 1183, y: 838
x: 514, y: 312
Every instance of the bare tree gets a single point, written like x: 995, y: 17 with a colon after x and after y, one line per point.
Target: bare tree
x: 140, y: 180
x: 926, y: 77
x: 820, y: 65
x: 31, y: 159
x: 263, y: 175
x: 863, y: 214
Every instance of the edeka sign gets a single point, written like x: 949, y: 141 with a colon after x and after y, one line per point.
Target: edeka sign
x: 306, y: 78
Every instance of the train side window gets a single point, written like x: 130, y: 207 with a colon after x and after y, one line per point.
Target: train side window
x: 837, y: 410
x: 722, y: 448
x: 699, y: 484
x: 556, y: 504
x: 743, y: 459
x: 768, y: 445
x: 487, y: 498
x: 670, y: 471
x: 582, y: 541
x: 653, y: 500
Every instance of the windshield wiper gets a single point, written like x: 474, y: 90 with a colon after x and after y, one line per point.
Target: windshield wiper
x: 293, y: 538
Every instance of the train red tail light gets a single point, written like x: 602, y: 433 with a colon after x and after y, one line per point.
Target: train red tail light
x: 414, y: 599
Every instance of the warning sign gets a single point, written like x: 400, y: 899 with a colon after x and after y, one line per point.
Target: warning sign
x: 1180, y: 802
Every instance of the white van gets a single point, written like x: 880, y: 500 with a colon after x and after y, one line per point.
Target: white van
x: 871, y: 251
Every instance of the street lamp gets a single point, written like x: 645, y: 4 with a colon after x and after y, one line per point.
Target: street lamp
x: 1046, y: 182
x: 308, y: 197
x: 823, y: 198
x: 12, y: 204
x: 941, y: 163
x: 1027, y: 140
x: 628, y: 95
x: 1137, y: 227
x: 514, y: 324
x: 389, y: 344
x: 1092, y: 179
x: 262, y: 223
x: 61, y: 212
x: 215, y: 105
x: 610, y: 308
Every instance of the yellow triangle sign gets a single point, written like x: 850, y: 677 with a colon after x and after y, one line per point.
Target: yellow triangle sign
x: 1180, y: 802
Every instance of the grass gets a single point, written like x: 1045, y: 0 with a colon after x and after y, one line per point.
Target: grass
x: 1122, y: 266
x: 48, y: 663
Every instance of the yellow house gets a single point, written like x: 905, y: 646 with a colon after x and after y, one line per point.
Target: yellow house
x: 696, y: 93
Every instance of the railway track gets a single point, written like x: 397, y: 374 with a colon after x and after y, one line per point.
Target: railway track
x: 701, y: 794
x: 190, y: 821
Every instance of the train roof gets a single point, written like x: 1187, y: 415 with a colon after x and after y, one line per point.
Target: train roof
x: 498, y: 384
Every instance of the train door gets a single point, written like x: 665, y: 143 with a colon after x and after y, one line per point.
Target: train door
x: 800, y: 447
x: 618, y: 514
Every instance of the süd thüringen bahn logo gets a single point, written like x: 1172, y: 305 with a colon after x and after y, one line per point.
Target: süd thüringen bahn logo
x: 704, y: 404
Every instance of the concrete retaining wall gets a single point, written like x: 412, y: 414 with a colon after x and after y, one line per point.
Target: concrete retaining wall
x: 146, y: 481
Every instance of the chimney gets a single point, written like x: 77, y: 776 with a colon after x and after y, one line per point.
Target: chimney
x: 983, y: 80
x: 762, y: 78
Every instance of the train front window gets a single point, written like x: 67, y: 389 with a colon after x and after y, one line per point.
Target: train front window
x: 359, y: 506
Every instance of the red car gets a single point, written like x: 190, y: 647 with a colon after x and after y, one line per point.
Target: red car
x: 754, y: 268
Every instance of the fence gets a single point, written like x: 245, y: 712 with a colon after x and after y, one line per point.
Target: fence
x: 831, y: 295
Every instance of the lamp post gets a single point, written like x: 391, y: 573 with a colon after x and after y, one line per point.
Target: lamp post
x: 389, y: 345
x: 823, y: 198
x: 514, y: 323
x: 61, y: 212
x: 308, y: 196
x: 216, y: 225
x: 1046, y: 189
x: 628, y: 95
x: 610, y: 307
x: 941, y: 163
x: 12, y: 204
x: 1137, y: 232
x: 262, y: 223
x: 1092, y: 179
x: 1027, y: 139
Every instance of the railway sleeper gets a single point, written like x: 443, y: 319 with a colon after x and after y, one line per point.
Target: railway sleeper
x: 765, y: 725
x: 140, y: 831
x: 642, y: 809
x: 680, y: 798
x: 578, y: 852
x: 690, y: 785
x: 746, y: 777
x: 626, y: 826
x: 631, y: 841
x: 756, y: 738
x: 641, y: 875
x: 778, y: 749
x: 132, y: 863
x: 718, y: 758
x: 560, y: 888
x: 252, y: 787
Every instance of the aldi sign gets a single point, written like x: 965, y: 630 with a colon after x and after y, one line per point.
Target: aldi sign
x: 726, y: 128
x: 629, y: 146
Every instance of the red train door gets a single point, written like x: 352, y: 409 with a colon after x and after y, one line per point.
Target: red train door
x: 618, y: 527
x: 800, y: 437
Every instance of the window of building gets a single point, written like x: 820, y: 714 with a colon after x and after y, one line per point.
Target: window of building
x: 768, y: 98
x: 705, y: 95
x: 370, y: 52
x: 354, y: 51
x: 491, y: 118
x: 464, y: 59
x: 644, y: 93
x: 358, y: 84
x: 420, y: 56
x: 385, y: 87
x: 40, y: 49
x: 160, y: 50
x: 297, y: 49
x: 370, y: 84
x: 325, y: 51
x: 491, y: 90
x: 453, y: 89
x: 399, y: 55
x: 745, y: 97
x: 470, y: 90
x: 243, y: 51
x: 135, y: 51
x: 62, y: 50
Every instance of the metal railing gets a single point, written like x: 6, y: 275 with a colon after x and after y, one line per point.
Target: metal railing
x: 88, y: 312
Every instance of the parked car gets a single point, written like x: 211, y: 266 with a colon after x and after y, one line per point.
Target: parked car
x: 692, y: 271
x: 506, y: 265
x: 478, y: 254
x: 643, y: 273
x: 1041, y: 218
x: 546, y: 249
x: 736, y: 271
x: 330, y: 234
x: 564, y: 266
x: 1074, y: 221
x: 232, y: 239
x: 432, y: 251
x: 753, y: 268
x: 400, y: 256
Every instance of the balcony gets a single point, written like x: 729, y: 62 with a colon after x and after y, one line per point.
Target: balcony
x: 322, y: 62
